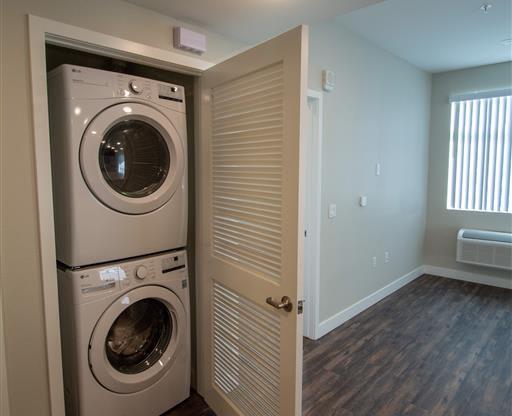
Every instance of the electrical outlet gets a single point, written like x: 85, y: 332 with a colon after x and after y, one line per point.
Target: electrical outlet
x: 387, y: 257
x: 374, y: 262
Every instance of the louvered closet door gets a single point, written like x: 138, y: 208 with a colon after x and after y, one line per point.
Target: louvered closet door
x: 250, y: 352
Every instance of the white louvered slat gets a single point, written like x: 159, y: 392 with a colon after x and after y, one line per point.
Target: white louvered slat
x: 246, y: 351
x: 247, y: 142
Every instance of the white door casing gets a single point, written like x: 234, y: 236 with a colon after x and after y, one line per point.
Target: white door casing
x: 250, y: 228
x: 312, y: 211
x: 41, y: 32
x: 4, y: 396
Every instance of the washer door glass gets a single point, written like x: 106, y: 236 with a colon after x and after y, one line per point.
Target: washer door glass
x: 134, y: 158
x: 139, y: 336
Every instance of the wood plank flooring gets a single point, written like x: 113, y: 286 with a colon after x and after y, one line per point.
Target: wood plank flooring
x: 193, y: 406
x: 435, y: 347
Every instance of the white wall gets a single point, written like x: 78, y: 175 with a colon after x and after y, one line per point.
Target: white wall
x: 443, y: 224
x: 20, y: 267
x: 378, y: 112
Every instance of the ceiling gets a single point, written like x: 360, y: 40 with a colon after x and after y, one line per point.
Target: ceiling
x: 437, y: 35
x: 251, y: 21
x: 434, y: 35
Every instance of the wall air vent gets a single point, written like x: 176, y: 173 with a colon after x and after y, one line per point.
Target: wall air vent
x: 485, y: 248
x: 188, y: 40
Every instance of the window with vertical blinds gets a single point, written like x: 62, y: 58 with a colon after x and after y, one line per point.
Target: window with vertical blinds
x: 480, y: 163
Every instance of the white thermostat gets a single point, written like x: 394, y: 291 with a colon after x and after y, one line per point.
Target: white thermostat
x: 188, y: 40
x: 327, y: 80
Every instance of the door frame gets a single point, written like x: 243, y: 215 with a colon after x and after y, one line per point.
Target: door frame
x: 4, y: 393
x: 41, y: 32
x: 314, y: 166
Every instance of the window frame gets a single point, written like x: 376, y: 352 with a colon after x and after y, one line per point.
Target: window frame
x: 457, y: 132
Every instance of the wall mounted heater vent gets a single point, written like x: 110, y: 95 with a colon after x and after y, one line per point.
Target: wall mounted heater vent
x: 485, y: 248
x: 188, y: 40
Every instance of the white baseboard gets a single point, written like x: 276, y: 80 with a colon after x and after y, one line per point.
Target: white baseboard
x: 468, y: 276
x: 341, y: 317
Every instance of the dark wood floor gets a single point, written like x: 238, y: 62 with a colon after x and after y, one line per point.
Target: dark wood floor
x: 435, y: 347
x: 193, y: 406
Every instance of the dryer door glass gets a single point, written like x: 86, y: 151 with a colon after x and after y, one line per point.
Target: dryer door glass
x: 134, y: 158
x: 139, y: 336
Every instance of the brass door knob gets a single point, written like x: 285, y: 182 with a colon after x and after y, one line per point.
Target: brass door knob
x: 286, y: 303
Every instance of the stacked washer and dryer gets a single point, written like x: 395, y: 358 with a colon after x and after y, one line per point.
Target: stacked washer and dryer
x: 119, y: 166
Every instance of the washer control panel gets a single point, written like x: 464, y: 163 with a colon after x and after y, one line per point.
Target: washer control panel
x: 145, y: 270
x: 176, y: 262
x: 141, y: 272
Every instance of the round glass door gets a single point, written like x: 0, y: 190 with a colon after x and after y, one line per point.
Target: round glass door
x: 139, y: 336
x: 137, y: 339
x: 132, y: 158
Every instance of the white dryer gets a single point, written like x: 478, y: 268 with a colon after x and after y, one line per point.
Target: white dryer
x: 119, y: 165
x: 125, y: 330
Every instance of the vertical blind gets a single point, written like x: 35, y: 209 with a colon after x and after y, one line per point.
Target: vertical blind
x: 480, y: 163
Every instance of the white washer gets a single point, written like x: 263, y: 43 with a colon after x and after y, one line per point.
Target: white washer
x: 119, y: 165
x: 125, y: 331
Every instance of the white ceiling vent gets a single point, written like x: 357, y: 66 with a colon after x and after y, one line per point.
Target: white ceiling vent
x: 485, y: 248
x: 188, y: 40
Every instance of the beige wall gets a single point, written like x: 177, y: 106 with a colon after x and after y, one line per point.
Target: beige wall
x: 443, y: 224
x: 20, y: 267
x: 378, y: 112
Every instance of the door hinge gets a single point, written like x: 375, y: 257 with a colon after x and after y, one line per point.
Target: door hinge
x: 300, y: 306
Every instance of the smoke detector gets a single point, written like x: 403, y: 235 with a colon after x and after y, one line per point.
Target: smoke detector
x: 486, y: 7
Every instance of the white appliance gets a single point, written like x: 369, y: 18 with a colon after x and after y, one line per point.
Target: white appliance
x: 125, y: 331
x: 485, y: 248
x: 119, y: 165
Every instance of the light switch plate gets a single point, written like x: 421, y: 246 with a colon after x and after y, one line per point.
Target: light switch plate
x: 332, y: 210
x: 327, y: 80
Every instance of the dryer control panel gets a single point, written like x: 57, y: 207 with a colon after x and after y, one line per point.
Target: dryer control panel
x: 90, y: 83
x: 142, y: 88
